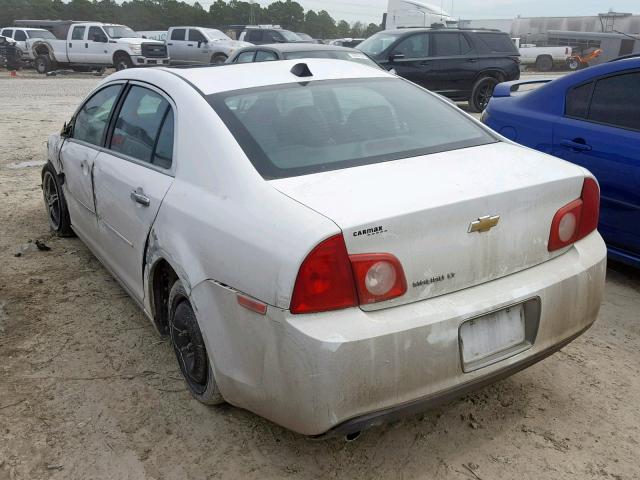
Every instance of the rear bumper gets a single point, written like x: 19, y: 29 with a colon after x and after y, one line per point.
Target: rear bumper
x: 343, y: 371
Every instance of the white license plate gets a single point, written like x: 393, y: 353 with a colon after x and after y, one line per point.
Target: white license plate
x: 484, y: 339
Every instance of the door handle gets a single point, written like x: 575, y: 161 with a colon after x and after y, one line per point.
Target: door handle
x: 70, y: 45
x: 472, y: 60
x: 189, y: 44
x: 170, y: 44
x: 86, y: 45
x: 424, y: 63
x: 138, y: 196
x: 577, y: 144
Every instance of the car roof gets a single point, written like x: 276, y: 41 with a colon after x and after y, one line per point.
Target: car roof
x: 408, y: 30
x: 217, y: 79
x: 299, y: 47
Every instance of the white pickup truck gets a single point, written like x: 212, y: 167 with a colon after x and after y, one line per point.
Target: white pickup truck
x: 543, y: 58
x: 93, y: 45
x: 193, y: 45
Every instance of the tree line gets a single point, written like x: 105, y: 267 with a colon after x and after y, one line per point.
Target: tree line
x: 162, y: 14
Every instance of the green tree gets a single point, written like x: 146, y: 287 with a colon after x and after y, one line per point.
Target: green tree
x: 372, y: 29
x: 343, y: 29
x: 288, y: 14
x: 357, y: 30
x: 327, y: 25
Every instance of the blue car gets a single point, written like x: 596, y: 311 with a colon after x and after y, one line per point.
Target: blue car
x: 590, y: 118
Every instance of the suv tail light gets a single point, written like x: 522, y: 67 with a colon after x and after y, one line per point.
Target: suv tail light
x: 577, y: 219
x: 330, y: 279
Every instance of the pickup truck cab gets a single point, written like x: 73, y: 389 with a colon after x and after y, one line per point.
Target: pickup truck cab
x: 542, y: 58
x: 193, y: 45
x: 268, y: 34
x: 81, y: 45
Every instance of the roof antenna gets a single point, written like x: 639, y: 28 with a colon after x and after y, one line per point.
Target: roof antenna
x: 301, y: 70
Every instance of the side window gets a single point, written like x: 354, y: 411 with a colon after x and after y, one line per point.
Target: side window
x: 273, y: 37
x: 447, y: 44
x: 78, y: 33
x: 7, y: 33
x: 178, y: 34
x: 163, y: 156
x: 245, y: 57
x: 196, y: 36
x: 92, y: 119
x: 96, y: 34
x: 20, y: 36
x: 415, y: 46
x: 264, y: 56
x: 616, y: 101
x: 254, y: 36
x: 138, y: 124
x: 577, y: 101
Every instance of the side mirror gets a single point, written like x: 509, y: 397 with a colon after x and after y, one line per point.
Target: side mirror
x: 396, y: 56
x: 67, y: 129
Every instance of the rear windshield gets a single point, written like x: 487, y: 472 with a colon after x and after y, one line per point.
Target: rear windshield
x: 309, y: 127
x: 498, y: 42
x: 354, y: 56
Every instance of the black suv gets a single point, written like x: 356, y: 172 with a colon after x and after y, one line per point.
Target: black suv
x: 264, y: 35
x: 457, y: 63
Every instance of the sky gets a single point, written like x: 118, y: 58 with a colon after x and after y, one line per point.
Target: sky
x: 372, y: 10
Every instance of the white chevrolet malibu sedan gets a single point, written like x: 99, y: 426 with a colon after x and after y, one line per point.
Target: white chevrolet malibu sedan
x: 327, y: 245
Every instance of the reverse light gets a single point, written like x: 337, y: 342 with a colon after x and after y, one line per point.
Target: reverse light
x: 378, y: 276
x: 577, y: 219
x: 330, y: 279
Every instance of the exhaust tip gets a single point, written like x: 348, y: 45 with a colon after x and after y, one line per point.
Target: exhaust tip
x: 353, y: 436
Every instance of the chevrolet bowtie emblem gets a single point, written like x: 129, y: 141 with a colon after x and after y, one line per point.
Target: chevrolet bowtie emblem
x: 484, y: 224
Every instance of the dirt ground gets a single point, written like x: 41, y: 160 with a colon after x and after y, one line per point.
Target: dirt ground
x: 88, y: 391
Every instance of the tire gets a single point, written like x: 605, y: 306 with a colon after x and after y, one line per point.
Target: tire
x: 481, y: 93
x: 573, y: 64
x: 43, y: 64
x: 122, y: 62
x: 55, y: 203
x: 190, y: 349
x: 544, y: 63
x: 218, y: 59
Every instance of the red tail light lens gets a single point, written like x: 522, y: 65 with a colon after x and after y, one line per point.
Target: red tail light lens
x: 379, y: 277
x: 578, y: 219
x: 325, y: 279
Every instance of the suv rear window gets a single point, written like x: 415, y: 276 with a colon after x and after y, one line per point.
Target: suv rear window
x: 498, y: 42
x: 303, y: 128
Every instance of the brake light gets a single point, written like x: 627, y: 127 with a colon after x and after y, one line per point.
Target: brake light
x: 325, y: 279
x: 330, y: 279
x: 379, y: 277
x: 577, y: 219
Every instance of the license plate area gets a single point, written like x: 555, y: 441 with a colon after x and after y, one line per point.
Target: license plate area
x: 496, y: 336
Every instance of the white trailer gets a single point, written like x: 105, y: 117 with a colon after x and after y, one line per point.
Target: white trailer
x: 410, y: 13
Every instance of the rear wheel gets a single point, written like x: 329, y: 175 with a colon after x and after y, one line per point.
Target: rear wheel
x: 482, y: 93
x: 122, y: 62
x: 190, y: 348
x: 218, y: 59
x: 544, y: 63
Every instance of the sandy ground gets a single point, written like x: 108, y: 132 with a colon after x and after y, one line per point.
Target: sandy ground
x: 88, y: 391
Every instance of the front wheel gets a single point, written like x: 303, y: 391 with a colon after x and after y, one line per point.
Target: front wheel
x: 573, y: 64
x: 55, y: 203
x: 122, y: 62
x: 43, y: 64
x: 190, y: 348
x: 482, y: 93
x: 218, y: 59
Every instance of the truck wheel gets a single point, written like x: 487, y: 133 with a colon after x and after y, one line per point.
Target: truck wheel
x: 544, y: 63
x: 218, y: 59
x: 43, y: 64
x: 122, y: 62
x: 573, y: 64
x: 481, y: 94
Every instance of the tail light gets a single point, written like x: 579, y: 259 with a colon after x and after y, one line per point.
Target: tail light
x: 330, y: 279
x: 578, y: 219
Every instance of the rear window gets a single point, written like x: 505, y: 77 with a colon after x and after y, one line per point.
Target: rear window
x: 355, y: 56
x: 498, y: 42
x: 303, y: 128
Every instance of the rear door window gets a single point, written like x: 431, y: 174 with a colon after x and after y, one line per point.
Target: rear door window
x: 449, y: 44
x: 254, y: 36
x: 92, y: 119
x: 78, y: 33
x: 138, y: 124
x: 7, y: 33
x: 616, y: 101
x: 178, y: 34
x: 498, y: 42
x: 265, y: 56
x: 577, y: 101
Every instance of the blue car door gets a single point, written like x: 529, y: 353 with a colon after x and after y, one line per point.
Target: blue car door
x: 601, y: 132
